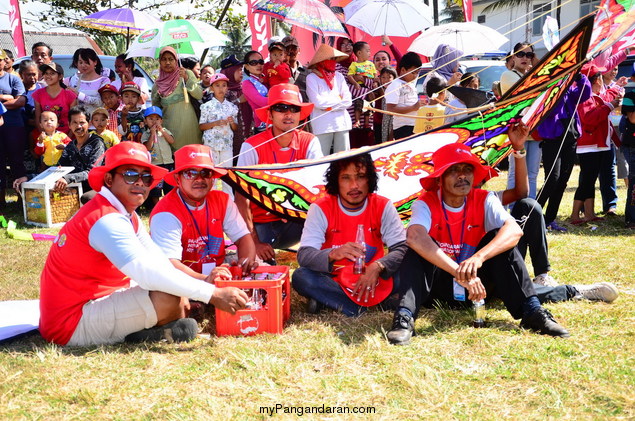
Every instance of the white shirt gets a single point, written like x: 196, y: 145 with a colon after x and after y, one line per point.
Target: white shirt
x: 336, y: 100
x: 402, y: 94
x: 166, y: 229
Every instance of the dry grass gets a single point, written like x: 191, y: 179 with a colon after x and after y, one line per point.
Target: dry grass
x: 451, y: 371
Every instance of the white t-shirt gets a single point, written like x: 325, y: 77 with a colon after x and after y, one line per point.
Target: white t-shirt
x: 402, y: 93
x: 495, y: 213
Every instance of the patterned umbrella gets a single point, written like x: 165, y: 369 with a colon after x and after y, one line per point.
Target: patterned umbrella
x: 309, y: 14
x: 120, y: 21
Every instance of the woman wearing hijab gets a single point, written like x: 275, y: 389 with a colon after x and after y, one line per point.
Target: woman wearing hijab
x: 179, y: 116
x: 233, y: 69
x: 327, y: 89
x: 445, y: 65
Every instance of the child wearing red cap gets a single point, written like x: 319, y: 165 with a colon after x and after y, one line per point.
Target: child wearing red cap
x: 218, y: 123
x: 110, y: 97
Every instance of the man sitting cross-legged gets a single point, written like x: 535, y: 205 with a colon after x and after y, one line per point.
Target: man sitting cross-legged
x: 328, y: 246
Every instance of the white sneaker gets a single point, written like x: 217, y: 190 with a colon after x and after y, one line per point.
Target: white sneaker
x: 602, y: 291
x: 546, y: 280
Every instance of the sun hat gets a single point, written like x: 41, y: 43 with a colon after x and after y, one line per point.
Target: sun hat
x: 192, y: 156
x: 108, y: 88
x: 455, y: 153
x: 326, y: 52
x: 277, y: 45
x: 124, y: 153
x: 230, y: 62
x: 153, y: 110
x: 590, y: 70
x: 285, y: 93
x: 216, y: 77
x: 130, y: 87
x: 53, y: 66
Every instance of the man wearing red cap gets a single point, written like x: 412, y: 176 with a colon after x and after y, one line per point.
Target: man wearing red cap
x: 329, y: 245
x: 87, y: 296
x: 282, y: 142
x: 189, y: 223
x: 462, y: 245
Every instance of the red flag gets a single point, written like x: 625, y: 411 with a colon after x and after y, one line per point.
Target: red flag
x: 467, y: 10
x: 260, y: 30
x: 15, y: 23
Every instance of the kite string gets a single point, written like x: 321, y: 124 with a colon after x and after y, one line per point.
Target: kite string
x: 382, y: 96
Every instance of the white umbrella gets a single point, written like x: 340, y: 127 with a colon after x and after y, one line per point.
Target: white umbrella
x: 469, y: 37
x: 398, y: 18
x: 187, y: 36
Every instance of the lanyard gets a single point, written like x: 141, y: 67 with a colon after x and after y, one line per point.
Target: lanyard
x: 206, y: 241
x: 447, y: 224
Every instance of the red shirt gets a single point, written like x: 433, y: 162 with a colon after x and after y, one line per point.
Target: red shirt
x: 275, y: 75
x: 60, y: 105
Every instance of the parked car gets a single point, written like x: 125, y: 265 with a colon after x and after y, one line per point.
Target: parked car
x: 488, y: 71
x: 65, y: 61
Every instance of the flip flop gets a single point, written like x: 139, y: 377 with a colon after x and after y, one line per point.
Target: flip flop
x: 577, y: 222
x: 597, y: 218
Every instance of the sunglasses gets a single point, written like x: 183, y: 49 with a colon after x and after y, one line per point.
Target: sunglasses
x: 283, y: 108
x: 256, y: 62
x: 131, y: 177
x: 522, y: 54
x: 193, y: 174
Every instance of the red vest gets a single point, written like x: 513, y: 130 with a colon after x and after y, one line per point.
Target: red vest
x: 75, y: 273
x: 269, y: 153
x: 209, y: 221
x: 342, y: 229
x: 467, y: 225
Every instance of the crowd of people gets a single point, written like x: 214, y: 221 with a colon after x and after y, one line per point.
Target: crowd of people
x: 168, y: 156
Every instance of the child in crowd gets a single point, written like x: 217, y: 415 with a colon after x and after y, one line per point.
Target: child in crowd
x: 402, y: 97
x: 55, y: 97
x: 110, y: 97
x: 206, y: 74
x: 468, y: 80
x: 131, y: 115
x: 157, y: 139
x: 358, y: 72
x: 276, y: 70
x: 51, y: 142
x: 383, y: 132
x: 99, y: 120
x: 434, y: 110
x: 218, y: 122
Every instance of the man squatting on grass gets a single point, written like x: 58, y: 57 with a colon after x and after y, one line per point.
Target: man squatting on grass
x: 105, y: 281
x: 461, y: 240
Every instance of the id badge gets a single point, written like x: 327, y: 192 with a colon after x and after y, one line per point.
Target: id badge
x: 208, y: 268
x: 459, y: 291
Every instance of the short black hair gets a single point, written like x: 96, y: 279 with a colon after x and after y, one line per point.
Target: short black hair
x: 189, y: 62
x: 467, y: 78
x: 409, y: 60
x: 390, y: 71
x: 521, y: 46
x: 361, y: 161
x: 246, y: 59
x: 87, y: 54
x: 358, y: 46
x: 434, y: 86
x: 42, y: 44
x: 9, y: 53
x: 78, y: 109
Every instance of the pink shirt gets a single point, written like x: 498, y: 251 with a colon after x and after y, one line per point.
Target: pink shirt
x: 59, y: 105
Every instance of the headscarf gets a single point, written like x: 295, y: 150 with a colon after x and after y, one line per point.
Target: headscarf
x: 233, y: 84
x: 166, y: 83
x: 347, y: 61
x: 327, y: 71
x: 445, y: 60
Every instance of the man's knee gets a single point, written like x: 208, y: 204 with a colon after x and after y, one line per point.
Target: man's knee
x: 303, y: 279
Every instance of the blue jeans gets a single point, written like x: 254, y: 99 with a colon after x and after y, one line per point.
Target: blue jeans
x: 323, y: 289
x: 608, y: 181
x: 629, y: 211
x: 555, y: 294
x: 534, y: 156
x: 280, y: 234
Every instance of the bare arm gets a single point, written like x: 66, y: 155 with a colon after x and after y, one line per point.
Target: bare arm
x: 403, y: 109
x: 517, y: 136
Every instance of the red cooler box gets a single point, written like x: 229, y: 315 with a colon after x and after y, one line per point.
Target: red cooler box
x: 273, y: 312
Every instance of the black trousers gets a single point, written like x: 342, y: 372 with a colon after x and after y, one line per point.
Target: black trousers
x: 528, y: 213
x: 504, y: 276
x: 557, y: 168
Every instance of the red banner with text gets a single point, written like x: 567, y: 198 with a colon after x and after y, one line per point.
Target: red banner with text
x: 260, y: 27
x: 15, y: 23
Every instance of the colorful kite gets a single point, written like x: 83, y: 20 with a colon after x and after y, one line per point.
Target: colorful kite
x: 289, y: 189
x: 613, y: 26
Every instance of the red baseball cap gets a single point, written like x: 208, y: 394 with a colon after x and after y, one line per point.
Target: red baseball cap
x: 192, y: 156
x: 124, y: 153
x: 108, y: 88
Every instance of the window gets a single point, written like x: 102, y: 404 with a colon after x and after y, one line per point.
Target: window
x: 539, y: 10
x: 588, y: 6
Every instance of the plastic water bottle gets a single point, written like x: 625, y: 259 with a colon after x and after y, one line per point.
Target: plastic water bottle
x: 479, y: 313
x: 359, y: 266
